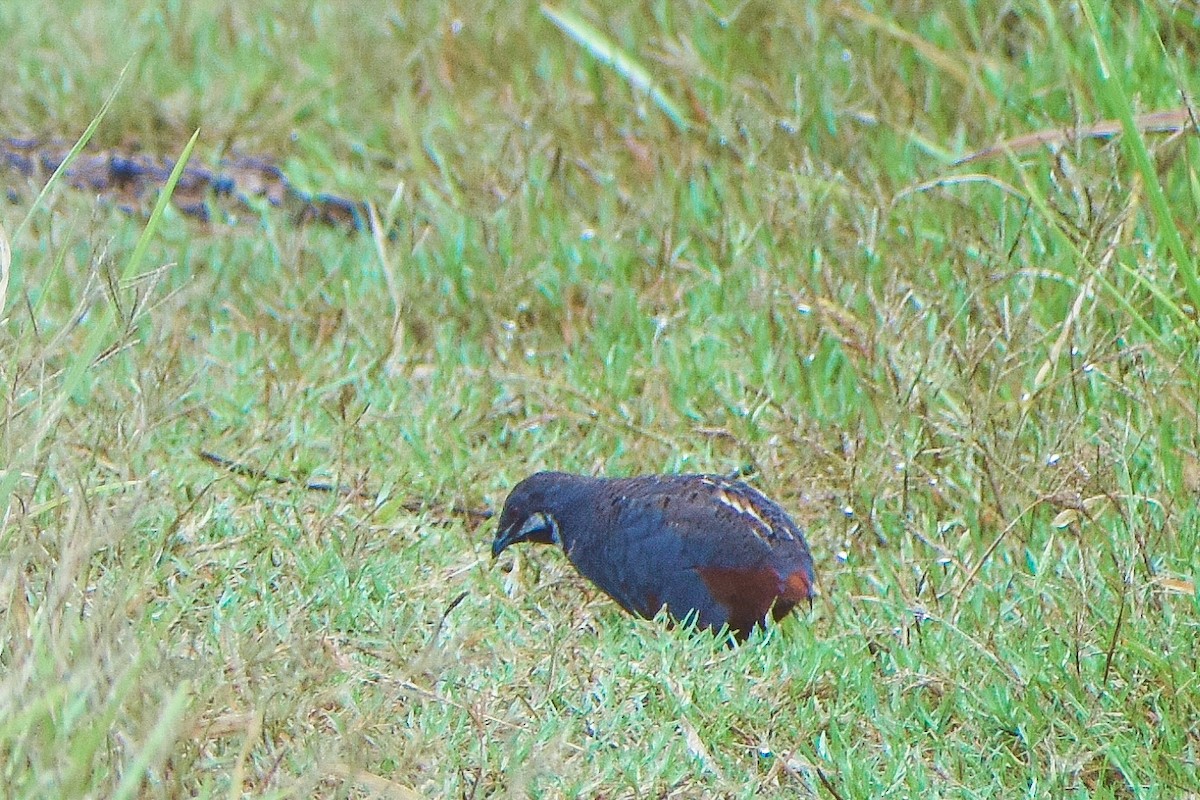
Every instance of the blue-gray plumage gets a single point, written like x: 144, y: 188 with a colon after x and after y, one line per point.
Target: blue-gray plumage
x: 706, y: 547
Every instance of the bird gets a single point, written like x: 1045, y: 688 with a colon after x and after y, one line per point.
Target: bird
x: 714, y: 551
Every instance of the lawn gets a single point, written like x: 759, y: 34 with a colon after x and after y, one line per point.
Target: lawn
x: 614, y: 239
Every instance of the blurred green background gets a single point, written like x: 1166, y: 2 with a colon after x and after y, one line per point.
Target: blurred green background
x: 627, y: 238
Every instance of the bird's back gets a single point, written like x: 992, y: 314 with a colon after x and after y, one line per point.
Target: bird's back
x: 702, y: 545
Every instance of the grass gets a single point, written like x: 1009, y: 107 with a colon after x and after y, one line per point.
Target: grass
x: 974, y: 385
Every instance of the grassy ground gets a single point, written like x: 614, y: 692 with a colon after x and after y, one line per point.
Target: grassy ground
x: 975, y: 385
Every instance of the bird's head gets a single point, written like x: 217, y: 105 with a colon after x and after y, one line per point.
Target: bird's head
x: 528, y: 515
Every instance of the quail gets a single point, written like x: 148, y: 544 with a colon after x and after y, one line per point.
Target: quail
x: 713, y: 551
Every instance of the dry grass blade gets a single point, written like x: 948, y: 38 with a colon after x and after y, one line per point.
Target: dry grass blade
x: 473, y: 515
x: 1173, y: 121
x: 935, y: 55
x: 1176, y: 585
x: 377, y: 785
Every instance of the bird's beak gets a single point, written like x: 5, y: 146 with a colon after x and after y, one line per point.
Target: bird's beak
x: 538, y: 527
x: 503, y: 539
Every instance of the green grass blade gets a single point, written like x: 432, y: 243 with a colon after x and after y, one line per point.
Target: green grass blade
x: 5, y: 271
x: 99, y: 331
x: 1113, y: 90
x: 164, y: 199
x: 97, y: 334
x: 74, y: 151
x: 1115, y: 293
x: 607, y: 53
x: 156, y: 745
